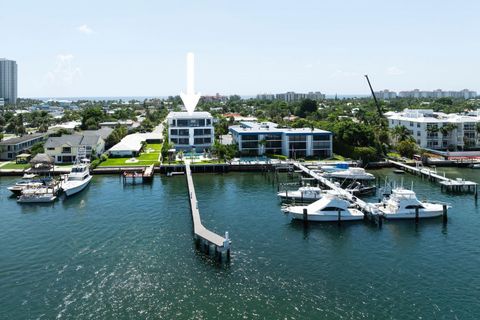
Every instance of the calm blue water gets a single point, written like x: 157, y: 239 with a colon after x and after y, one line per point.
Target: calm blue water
x: 122, y: 252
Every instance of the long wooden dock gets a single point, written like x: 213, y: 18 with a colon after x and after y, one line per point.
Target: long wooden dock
x: 459, y: 185
x: 364, y: 206
x: 204, y: 238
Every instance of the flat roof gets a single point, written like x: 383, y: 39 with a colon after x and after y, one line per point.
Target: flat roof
x: 272, y: 128
x: 133, y: 142
x: 186, y: 115
x: 21, y: 139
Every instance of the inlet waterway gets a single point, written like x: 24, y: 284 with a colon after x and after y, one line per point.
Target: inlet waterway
x: 125, y: 252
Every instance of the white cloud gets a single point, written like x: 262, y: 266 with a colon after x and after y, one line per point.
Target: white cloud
x: 344, y: 74
x: 65, y: 72
x: 394, y: 71
x: 85, y: 29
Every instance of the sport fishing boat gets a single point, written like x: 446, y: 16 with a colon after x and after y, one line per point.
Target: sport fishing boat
x: 78, y: 178
x: 328, y: 208
x: 403, y: 204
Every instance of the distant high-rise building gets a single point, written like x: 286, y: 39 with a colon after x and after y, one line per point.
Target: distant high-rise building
x: 385, y: 94
x: 416, y: 93
x: 291, y: 96
x: 8, y: 81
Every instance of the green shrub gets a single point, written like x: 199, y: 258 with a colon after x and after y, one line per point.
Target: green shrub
x: 95, y: 163
x: 277, y: 156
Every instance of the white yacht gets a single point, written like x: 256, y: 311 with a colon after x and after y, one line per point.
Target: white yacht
x: 351, y: 174
x: 78, y: 178
x: 303, y: 193
x: 402, y: 204
x: 328, y: 208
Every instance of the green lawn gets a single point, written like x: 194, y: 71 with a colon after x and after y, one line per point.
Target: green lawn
x: 117, y: 162
x: 13, y: 165
x: 155, y: 146
x: 208, y: 162
x: 149, y: 156
x: 145, y: 159
x: 394, y: 155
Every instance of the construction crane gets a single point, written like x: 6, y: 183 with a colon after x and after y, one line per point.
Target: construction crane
x: 379, y: 110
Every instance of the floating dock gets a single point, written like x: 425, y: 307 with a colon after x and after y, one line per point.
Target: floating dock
x: 205, y: 238
x: 138, y: 174
x: 148, y: 173
x: 458, y: 185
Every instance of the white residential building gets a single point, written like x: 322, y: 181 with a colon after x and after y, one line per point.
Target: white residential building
x: 459, y: 130
x: 65, y: 149
x: 187, y: 131
x: 255, y: 138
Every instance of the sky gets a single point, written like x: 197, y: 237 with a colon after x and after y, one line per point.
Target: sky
x: 138, y: 48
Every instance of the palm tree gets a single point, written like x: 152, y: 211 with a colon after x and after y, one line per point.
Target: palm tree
x: 400, y: 133
x: 447, y: 129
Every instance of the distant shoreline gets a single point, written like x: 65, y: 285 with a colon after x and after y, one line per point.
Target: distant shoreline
x: 141, y: 98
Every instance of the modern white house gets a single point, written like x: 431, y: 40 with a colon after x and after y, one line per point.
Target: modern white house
x: 438, y: 130
x: 64, y: 149
x: 255, y: 138
x: 187, y: 131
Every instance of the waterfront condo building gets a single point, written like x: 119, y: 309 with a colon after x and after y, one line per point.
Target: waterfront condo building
x: 255, y: 138
x: 8, y: 81
x: 187, y: 131
x: 438, y: 130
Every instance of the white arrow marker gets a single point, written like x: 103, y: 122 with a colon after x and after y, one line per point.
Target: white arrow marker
x: 190, y: 99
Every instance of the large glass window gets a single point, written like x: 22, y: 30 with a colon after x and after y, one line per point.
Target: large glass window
x: 249, y: 137
x: 202, y: 140
x: 250, y: 145
x: 273, y: 144
x: 201, y: 132
x: 183, y: 132
x: 296, y: 138
x: 321, y: 138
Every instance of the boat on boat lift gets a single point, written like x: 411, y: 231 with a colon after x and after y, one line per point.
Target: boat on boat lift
x: 305, y: 194
x: 350, y: 174
x: 403, y: 204
x: 329, y: 208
